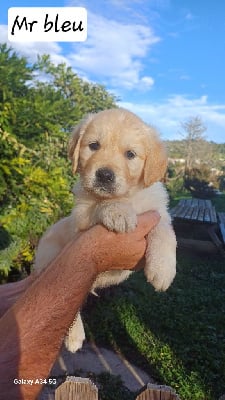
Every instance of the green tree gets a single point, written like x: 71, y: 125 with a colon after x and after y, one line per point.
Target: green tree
x: 14, y: 76
x: 36, y: 117
x: 35, y: 107
x: 77, y: 96
x: 192, y: 130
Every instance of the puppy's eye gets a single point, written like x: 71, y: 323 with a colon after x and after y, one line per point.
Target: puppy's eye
x: 130, y: 154
x: 94, y: 146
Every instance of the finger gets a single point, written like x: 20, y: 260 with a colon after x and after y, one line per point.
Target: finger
x: 140, y: 252
x: 146, y: 222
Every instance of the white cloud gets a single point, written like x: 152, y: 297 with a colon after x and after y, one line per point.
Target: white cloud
x: 148, y: 81
x: 168, y: 114
x: 32, y: 49
x: 114, y: 51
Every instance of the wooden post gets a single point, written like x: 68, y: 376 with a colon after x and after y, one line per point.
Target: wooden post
x: 157, y: 392
x: 76, y: 388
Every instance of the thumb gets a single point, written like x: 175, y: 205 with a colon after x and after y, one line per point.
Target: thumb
x: 146, y: 222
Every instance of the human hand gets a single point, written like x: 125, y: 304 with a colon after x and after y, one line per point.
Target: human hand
x: 111, y: 250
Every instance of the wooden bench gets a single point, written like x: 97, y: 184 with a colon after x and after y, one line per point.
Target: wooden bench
x: 201, y: 214
x: 221, y: 218
x: 194, y: 210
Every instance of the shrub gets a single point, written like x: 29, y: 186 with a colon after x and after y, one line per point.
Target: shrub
x: 198, y: 181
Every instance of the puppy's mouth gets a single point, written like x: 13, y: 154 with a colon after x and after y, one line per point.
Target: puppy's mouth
x: 104, y: 189
x: 103, y: 183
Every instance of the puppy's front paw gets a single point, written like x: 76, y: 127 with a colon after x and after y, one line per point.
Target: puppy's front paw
x: 76, y: 335
x: 73, y: 345
x: 118, y: 217
x: 161, y: 273
x: 160, y: 268
x: 74, y: 342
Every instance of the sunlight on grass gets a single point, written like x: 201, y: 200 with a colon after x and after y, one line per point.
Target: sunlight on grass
x: 167, y: 365
x: 178, y: 336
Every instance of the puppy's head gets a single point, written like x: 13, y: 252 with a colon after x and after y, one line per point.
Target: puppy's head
x: 116, y: 153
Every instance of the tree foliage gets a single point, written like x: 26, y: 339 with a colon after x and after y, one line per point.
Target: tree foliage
x: 200, y: 182
x: 39, y: 105
x: 200, y: 162
x: 195, y: 148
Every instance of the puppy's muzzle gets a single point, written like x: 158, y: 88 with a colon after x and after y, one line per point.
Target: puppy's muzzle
x: 104, y: 177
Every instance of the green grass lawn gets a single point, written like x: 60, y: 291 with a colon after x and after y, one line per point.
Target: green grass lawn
x: 177, y: 336
x: 219, y: 202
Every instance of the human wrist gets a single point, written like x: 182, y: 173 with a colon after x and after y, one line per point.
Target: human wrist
x: 94, y: 246
x: 86, y: 245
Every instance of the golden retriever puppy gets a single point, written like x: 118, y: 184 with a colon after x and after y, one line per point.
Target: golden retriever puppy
x: 120, y: 160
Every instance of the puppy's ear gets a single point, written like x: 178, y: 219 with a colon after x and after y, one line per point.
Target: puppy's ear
x: 74, y: 142
x: 156, y: 161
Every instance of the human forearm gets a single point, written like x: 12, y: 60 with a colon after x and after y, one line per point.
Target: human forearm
x: 51, y: 301
x: 32, y: 330
x: 10, y: 292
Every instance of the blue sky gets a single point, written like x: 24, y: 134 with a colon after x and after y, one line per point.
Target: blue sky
x: 165, y: 59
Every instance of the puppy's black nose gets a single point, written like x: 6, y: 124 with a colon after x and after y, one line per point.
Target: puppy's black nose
x: 105, y: 175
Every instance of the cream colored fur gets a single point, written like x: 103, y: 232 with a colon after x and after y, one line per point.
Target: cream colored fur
x: 136, y: 190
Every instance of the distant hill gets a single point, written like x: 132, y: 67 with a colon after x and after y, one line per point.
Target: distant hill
x: 176, y: 149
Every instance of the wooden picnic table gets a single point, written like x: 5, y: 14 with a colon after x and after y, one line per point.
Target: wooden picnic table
x: 195, y: 210
x: 200, y: 214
